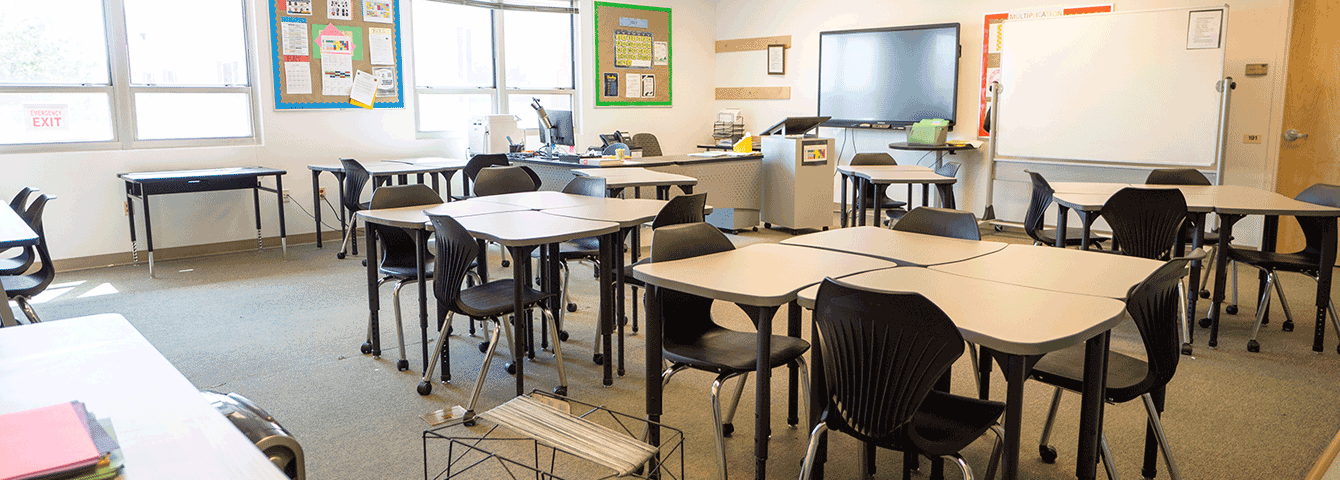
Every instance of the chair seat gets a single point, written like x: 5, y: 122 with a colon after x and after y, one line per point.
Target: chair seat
x: 1065, y: 369
x: 946, y: 423
x: 403, y: 272
x: 628, y: 278
x: 24, y: 285
x: 723, y: 350
x: 1289, y: 262
x: 1072, y: 236
x: 495, y: 298
x: 17, y: 264
x: 581, y: 247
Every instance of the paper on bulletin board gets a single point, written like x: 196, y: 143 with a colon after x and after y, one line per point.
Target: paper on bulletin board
x: 380, y: 46
x: 298, y: 7
x: 339, y: 9
x: 355, y: 33
x: 386, y: 84
x: 611, y: 84
x: 660, y: 53
x: 378, y: 11
x: 297, y: 75
x: 293, y: 36
x: 364, y: 90
x: 634, y: 88
x: 337, y: 75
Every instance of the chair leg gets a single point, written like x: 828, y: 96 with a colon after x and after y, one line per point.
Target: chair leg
x: 972, y: 355
x: 804, y: 383
x: 1108, y: 464
x: 1157, y: 425
x: 27, y: 309
x: 562, y: 389
x: 425, y: 385
x: 367, y: 342
x: 403, y: 364
x: 344, y: 245
x: 1048, y: 452
x: 1288, y: 312
x: 962, y: 466
x: 816, y: 436
x: 728, y: 427
x: 716, y: 416
x: 1334, y: 322
x: 483, y: 371
x: 997, y: 449
x: 1186, y: 317
x: 670, y: 372
x: 1261, y: 308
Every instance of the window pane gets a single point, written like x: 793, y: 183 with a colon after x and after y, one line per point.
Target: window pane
x: 62, y: 117
x: 166, y: 48
x: 160, y: 116
x: 519, y: 105
x: 538, y: 49
x: 451, y: 112
x: 453, y: 45
x: 60, y: 42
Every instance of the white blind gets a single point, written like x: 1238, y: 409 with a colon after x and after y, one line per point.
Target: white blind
x: 551, y: 6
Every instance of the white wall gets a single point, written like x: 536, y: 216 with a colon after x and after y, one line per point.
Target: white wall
x: 87, y: 217
x: 1257, y: 33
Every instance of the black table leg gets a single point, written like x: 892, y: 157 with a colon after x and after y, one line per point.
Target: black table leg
x: 617, y: 272
x: 793, y: 373
x: 148, y: 230
x: 283, y: 231
x: 651, y: 367
x: 374, y: 302
x: 608, y: 243
x: 878, y: 201
x: 316, y: 204
x: 420, y: 257
x: 818, y: 400
x: 520, y: 258
x: 1062, y: 218
x: 1226, y: 222
x: 762, y: 317
x: 130, y: 215
x: 1091, y: 405
x: 256, y: 201
x: 1088, y: 218
x: 1193, y: 283
x: 842, y: 200
x: 1015, y: 368
x: 1269, y: 242
x: 1324, y: 283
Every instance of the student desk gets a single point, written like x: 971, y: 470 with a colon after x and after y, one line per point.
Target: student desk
x: 881, y: 176
x: 938, y: 149
x: 143, y: 184
x: 165, y: 428
x: 381, y: 172
x: 759, y: 279
x: 618, y: 179
x: 14, y: 232
x: 903, y: 248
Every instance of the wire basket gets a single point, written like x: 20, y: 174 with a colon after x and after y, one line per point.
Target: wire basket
x: 522, y: 440
x: 728, y: 130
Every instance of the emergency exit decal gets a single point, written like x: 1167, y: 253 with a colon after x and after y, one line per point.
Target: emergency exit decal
x: 47, y: 117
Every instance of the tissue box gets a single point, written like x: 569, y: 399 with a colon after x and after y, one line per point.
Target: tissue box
x: 928, y: 132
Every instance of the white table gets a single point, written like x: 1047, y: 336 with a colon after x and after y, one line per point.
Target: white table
x: 618, y: 179
x: 14, y: 232
x: 165, y: 428
x: 381, y: 172
x: 759, y: 279
x: 881, y: 176
x: 1057, y: 269
x: 542, y: 200
x: 904, y: 248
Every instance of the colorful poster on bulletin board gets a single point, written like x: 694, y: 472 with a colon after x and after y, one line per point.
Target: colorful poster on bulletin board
x: 321, y: 47
x: 633, y: 55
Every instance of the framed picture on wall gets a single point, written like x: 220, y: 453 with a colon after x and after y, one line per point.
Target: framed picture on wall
x: 777, y: 59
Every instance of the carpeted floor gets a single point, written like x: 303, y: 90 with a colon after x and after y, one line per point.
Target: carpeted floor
x: 286, y: 334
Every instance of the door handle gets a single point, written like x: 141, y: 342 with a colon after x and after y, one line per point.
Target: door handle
x: 1292, y: 134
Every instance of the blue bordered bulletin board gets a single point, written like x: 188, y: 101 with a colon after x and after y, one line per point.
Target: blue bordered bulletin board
x: 318, y: 45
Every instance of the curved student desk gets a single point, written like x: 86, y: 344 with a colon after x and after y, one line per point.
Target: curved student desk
x: 903, y: 248
x: 618, y: 179
x: 382, y: 172
x: 881, y: 176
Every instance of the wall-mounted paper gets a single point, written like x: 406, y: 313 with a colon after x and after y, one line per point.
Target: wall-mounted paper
x: 386, y: 84
x: 297, y: 77
x: 299, y: 7
x: 380, y: 47
x: 333, y: 41
x: 634, y: 85
x: 293, y: 36
x: 364, y: 90
x: 661, y: 53
x: 339, y: 10
x: 356, y: 33
x: 337, y: 75
x: 649, y: 86
x: 378, y: 11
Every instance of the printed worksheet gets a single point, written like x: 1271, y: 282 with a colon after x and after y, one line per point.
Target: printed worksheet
x: 293, y: 37
x: 298, y: 7
x: 378, y: 11
x: 364, y: 90
x: 337, y: 74
x: 339, y: 9
x: 380, y: 46
x: 386, y: 87
x: 298, y: 78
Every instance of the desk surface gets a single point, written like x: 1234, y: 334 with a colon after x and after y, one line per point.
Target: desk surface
x: 436, y: 161
x: 625, y: 212
x: 853, y: 169
x: 760, y: 275
x: 663, y: 160
x: 1058, y: 269
x: 1008, y: 318
x: 635, y: 177
x: 15, y: 232
x: 390, y: 168
x: 1225, y: 199
x: 897, y: 174
x: 526, y: 228
x: 933, y: 148
x: 175, y: 175
x: 164, y: 426
x: 904, y: 248
x: 544, y: 199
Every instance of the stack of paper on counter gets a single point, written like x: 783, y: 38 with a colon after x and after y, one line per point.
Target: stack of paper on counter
x: 57, y: 441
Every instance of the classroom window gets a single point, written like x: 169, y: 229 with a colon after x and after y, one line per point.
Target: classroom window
x: 107, y: 74
x: 471, y: 61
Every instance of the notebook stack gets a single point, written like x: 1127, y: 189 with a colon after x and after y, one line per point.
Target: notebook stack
x: 61, y: 441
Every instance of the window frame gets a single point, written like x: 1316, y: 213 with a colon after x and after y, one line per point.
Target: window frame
x: 121, y: 94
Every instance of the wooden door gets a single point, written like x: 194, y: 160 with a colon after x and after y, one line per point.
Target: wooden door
x: 1311, y: 107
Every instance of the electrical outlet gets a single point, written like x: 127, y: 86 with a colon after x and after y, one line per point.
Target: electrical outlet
x: 321, y: 192
x: 287, y: 198
x: 1251, y: 139
x: 125, y: 208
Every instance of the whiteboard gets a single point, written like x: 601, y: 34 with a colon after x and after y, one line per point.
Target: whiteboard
x: 1111, y: 88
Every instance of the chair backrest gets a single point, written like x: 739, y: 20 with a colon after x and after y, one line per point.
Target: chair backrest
x: 1177, y: 176
x: 686, y: 316
x: 882, y: 354
x: 610, y: 149
x: 1037, y: 206
x: 455, y: 250
x: 874, y: 158
x: 482, y: 161
x: 1146, y: 222
x: 47, y: 272
x: 397, y: 244
x: 1154, y: 305
x: 588, y: 186
x: 648, y: 143
x: 20, y: 199
x: 948, y: 169
x: 355, y: 177
x: 534, y: 177
x: 941, y: 222
x: 680, y: 210
x: 1314, y: 228
x: 500, y: 180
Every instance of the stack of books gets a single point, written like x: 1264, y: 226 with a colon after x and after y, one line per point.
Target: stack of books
x: 59, y: 441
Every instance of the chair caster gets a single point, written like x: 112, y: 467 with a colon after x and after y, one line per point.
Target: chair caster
x: 562, y: 335
x: 727, y: 429
x: 511, y: 368
x: 1253, y: 346
x: 765, y: 225
x: 561, y: 391
x: 598, y: 358
x: 755, y: 229
x: 424, y: 388
x: 1048, y: 453
x: 366, y: 348
x: 506, y: 263
x: 572, y: 307
x: 483, y: 347
x: 1186, y: 349
x: 1231, y: 309
x: 620, y: 372
x: 1204, y: 323
x: 402, y: 365
x: 1204, y: 293
x: 1288, y: 326
x: 340, y: 255
x: 450, y: 330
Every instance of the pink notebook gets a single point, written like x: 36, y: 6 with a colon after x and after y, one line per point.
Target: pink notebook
x: 45, y: 440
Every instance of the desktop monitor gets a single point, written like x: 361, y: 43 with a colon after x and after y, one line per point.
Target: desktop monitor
x: 562, y: 133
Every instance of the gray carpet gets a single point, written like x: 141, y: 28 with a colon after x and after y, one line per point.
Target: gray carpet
x: 286, y: 334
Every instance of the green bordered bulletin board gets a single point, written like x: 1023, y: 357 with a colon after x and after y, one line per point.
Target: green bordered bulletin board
x: 319, y: 45
x: 633, y: 55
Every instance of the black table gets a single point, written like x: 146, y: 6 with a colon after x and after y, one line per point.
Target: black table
x: 938, y: 149
x: 143, y: 184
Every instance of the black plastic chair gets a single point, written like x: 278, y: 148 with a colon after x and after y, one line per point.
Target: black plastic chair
x: 1210, y: 238
x: 946, y: 191
x: 21, y: 199
x: 19, y: 263
x: 503, y: 180
x: 1154, y: 305
x: 1037, y: 208
x: 20, y: 287
x: 882, y: 355
x: 693, y: 340
x: 942, y: 222
x: 648, y: 144
x: 679, y: 210
x: 351, y: 191
x: 1305, y: 261
x: 456, y: 249
x: 398, y: 259
x: 878, y: 158
x: 477, y: 163
x: 1146, y: 222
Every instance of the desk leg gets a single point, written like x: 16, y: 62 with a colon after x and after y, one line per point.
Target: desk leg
x: 652, y: 364
x: 1226, y: 222
x: 1088, y: 219
x: 1015, y: 368
x: 1269, y: 238
x: 148, y: 231
x: 520, y: 258
x: 1193, y: 283
x: 762, y: 317
x: 1324, y: 283
x: 607, y: 245
x: 880, y: 190
x: 617, y: 267
x: 1091, y: 405
x: 420, y: 257
x: 130, y: 215
x: 316, y: 204
x: 842, y: 199
x: 687, y: 189
x: 1062, y: 218
x: 925, y: 195
x: 256, y: 202
x: 793, y: 373
x: 283, y: 231
x: 374, y: 302
x: 446, y: 178
x: 860, y: 203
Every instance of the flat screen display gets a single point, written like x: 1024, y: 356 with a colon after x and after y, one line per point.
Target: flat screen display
x: 889, y: 77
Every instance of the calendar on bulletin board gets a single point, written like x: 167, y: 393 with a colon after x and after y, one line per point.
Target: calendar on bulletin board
x: 632, y: 55
x: 336, y: 54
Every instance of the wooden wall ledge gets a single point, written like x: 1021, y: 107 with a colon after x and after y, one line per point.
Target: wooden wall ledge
x: 748, y: 44
x: 753, y: 93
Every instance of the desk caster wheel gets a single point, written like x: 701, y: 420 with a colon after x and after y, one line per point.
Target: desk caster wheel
x: 598, y: 358
x: 766, y: 225
x: 1231, y: 309
x: 1204, y: 323
x: 755, y: 229
x: 340, y: 255
x: 483, y: 347
x: 1186, y: 349
x: 402, y: 365
x: 1204, y: 293
x: 572, y: 307
x: 1287, y: 326
x: 424, y: 388
x: 511, y: 368
x: 506, y: 263
x: 1047, y: 453
x: 1253, y: 346
x: 366, y: 348
x: 562, y: 335
x: 561, y: 391
x: 998, y: 228
x: 727, y: 429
